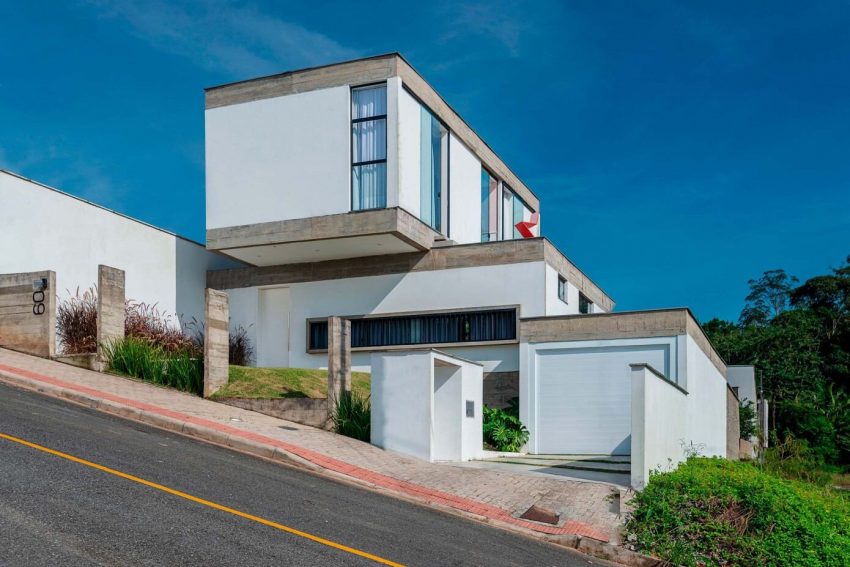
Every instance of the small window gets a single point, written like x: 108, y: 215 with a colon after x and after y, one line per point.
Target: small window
x: 562, y: 288
x: 584, y: 304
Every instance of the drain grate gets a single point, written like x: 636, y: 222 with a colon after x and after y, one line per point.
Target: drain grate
x: 542, y: 515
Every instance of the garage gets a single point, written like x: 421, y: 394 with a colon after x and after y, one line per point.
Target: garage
x: 583, y: 397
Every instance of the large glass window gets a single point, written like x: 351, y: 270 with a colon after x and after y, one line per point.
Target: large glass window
x: 489, y: 206
x: 369, y: 147
x: 433, y: 169
x: 424, y: 329
x: 514, y: 210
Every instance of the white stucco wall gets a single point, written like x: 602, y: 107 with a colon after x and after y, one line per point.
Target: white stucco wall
x: 554, y: 305
x: 280, y: 158
x: 244, y: 305
x: 411, y: 415
x: 460, y: 288
x: 44, y: 229
x: 706, y: 388
x: 659, y: 415
x: 464, y: 194
x: 408, y: 151
x: 472, y: 428
x: 401, y: 416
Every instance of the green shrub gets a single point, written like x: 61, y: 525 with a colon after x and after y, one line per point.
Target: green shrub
x: 503, y: 429
x: 748, y: 419
x: 806, y: 421
x: 138, y: 358
x: 712, y: 511
x: 352, y: 416
x: 793, y: 459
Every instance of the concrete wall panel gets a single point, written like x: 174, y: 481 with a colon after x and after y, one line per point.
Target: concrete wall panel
x: 28, y: 312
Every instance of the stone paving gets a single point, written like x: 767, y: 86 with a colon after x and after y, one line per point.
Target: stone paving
x: 586, y: 509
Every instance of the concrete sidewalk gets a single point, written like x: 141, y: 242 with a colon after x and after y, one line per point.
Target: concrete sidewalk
x: 588, y: 511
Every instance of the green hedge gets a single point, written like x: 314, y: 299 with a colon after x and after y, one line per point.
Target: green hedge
x: 719, y: 512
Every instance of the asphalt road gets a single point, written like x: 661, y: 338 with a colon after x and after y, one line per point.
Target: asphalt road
x: 55, y: 511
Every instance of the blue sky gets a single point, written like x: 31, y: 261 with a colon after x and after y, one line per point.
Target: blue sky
x: 678, y: 149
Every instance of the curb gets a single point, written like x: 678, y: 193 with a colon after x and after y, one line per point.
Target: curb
x: 572, y: 534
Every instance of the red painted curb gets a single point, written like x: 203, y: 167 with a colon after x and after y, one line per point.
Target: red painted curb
x: 571, y: 527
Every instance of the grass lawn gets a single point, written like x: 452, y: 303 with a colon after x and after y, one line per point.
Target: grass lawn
x: 251, y: 382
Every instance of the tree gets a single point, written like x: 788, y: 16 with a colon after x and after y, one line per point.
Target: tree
x: 769, y: 296
x: 748, y: 419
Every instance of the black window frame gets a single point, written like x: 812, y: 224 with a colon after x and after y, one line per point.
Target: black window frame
x: 584, y: 304
x: 562, y: 288
x: 354, y: 164
x: 459, y: 321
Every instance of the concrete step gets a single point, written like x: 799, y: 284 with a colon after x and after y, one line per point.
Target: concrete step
x: 597, y: 466
x: 582, y: 458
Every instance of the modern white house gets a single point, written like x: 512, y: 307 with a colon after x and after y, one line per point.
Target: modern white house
x: 355, y: 190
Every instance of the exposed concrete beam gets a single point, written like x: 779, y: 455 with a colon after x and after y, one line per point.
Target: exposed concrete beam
x: 394, y: 221
x: 443, y: 258
x: 625, y: 325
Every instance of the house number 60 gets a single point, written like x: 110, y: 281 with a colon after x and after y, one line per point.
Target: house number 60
x: 38, y: 302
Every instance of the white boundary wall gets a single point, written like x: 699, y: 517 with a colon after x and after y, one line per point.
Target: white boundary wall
x: 706, y: 388
x: 43, y: 228
x: 419, y: 405
x: 659, y: 415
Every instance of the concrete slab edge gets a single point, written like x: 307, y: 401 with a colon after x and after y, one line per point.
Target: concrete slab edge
x: 586, y: 545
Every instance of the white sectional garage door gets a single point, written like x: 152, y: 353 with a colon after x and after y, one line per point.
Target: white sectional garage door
x: 584, y: 398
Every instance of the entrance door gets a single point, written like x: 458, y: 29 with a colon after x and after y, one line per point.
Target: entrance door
x: 273, y: 328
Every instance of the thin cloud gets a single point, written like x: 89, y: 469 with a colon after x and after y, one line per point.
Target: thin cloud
x: 501, y: 22
x: 219, y: 36
x: 44, y: 161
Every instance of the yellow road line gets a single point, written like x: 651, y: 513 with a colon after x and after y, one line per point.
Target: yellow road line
x: 220, y: 507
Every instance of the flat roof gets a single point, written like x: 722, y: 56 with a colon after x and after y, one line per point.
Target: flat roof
x: 361, y: 71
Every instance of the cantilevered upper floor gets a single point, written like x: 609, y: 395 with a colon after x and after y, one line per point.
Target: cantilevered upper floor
x: 355, y: 159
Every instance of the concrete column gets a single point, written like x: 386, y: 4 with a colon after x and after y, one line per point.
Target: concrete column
x: 110, y: 306
x: 339, y: 359
x: 28, y: 312
x: 216, y: 350
x: 733, y: 425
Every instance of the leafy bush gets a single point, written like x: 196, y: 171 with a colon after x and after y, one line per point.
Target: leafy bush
x: 748, y: 419
x: 352, y: 416
x: 712, y: 511
x: 503, y: 429
x: 139, y: 358
x: 76, y: 322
